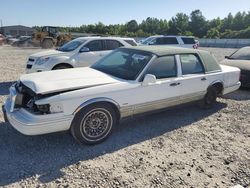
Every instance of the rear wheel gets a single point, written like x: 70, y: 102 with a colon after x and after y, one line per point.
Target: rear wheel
x: 94, y: 123
x: 210, y: 98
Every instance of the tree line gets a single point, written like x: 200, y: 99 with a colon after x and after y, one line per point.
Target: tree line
x: 195, y: 24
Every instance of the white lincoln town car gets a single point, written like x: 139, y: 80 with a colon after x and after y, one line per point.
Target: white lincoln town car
x: 90, y: 101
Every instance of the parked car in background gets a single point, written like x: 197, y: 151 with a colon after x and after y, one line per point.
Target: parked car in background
x: 178, y: 41
x: 23, y: 41
x: 240, y: 59
x: 2, y: 39
x: 10, y: 39
x: 90, y: 101
x: 80, y: 52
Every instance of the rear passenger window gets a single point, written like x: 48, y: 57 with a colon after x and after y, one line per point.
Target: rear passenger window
x: 95, y: 45
x: 188, y: 40
x: 113, y: 44
x: 163, y: 67
x: 166, y: 40
x: 191, y: 64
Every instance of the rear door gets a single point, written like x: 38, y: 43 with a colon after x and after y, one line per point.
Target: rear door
x: 96, y: 51
x: 110, y: 45
x: 194, y: 80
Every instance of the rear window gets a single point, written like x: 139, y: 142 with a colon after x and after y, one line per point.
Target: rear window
x: 188, y: 40
x: 166, y: 40
x: 190, y: 64
x: 131, y: 42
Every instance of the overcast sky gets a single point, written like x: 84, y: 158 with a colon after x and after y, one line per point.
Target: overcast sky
x: 78, y: 12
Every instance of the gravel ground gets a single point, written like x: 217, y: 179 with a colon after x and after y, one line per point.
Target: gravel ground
x: 181, y: 147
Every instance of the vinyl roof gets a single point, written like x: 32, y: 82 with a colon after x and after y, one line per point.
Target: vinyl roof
x: 164, y: 50
x: 208, y: 60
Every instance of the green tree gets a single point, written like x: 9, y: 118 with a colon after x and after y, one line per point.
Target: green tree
x: 132, y: 26
x: 227, y: 22
x: 150, y: 25
x: 213, y: 33
x: 179, y: 24
x: 238, y: 21
x: 198, y: 24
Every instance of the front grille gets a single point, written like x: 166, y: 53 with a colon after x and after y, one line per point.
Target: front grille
x: 29, y: 66
x: 31, y: 60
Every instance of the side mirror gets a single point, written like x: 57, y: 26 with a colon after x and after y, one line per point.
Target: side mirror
x: 149, y: 79
x: 84, y: 49
x: 227, y: 57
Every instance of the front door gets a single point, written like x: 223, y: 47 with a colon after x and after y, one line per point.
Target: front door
x: 165, y: 92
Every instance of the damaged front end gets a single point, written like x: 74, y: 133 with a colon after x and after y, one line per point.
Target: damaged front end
x: 26, y: 98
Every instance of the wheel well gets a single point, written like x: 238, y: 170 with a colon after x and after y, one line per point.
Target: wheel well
x: 62, y: 64
x: 219, y: 87
x: 117, y: 111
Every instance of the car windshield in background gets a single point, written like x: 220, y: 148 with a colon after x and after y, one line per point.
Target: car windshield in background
x: 70, y: 46
x: 123, y: 63
x: 147, y: 40
x: 242, y: 54
x: 131, y: 42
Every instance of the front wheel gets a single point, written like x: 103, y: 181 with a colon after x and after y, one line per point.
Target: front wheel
x: 93, y: 124
x: 61, y: 67
x: 210, y: 98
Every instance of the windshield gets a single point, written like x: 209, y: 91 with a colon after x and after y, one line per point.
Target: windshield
x: 242, y: 54
x: 70, y: 46
x: 123, y: 63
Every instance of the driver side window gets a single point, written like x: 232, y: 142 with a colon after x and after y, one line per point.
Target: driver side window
x: 163, y: 67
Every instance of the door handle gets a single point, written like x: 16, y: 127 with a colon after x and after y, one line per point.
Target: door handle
x: 175, y: 84
x: 203, y: 79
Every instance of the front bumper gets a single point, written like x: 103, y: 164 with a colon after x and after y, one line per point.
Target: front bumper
x: 31, y: 124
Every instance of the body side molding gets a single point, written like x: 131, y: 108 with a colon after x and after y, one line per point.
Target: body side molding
x: 95, y: 100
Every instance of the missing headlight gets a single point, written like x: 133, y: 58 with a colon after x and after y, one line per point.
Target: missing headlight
x: 44, y: 108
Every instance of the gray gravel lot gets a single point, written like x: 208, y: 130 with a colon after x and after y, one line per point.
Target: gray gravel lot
x: 181, y: 147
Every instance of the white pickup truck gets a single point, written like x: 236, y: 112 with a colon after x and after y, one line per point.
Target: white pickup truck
x: 90, y: 101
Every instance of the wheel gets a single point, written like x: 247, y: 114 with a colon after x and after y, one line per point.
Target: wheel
x: 61, y: 67
x: 47, y: 43
x: 210, y: 98
x: 94, y: 123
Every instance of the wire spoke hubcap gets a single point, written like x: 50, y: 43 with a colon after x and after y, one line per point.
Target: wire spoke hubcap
x: 96, y: 123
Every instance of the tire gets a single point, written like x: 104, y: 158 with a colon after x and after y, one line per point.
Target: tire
x: 210, y: 98
x: 93, y: 124
x: 61, y: 67
x: 47, y: 43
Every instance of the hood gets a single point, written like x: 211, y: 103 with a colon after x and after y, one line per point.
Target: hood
x: 66, y: 79
x: 48, y: 53
x: 241, y: 64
